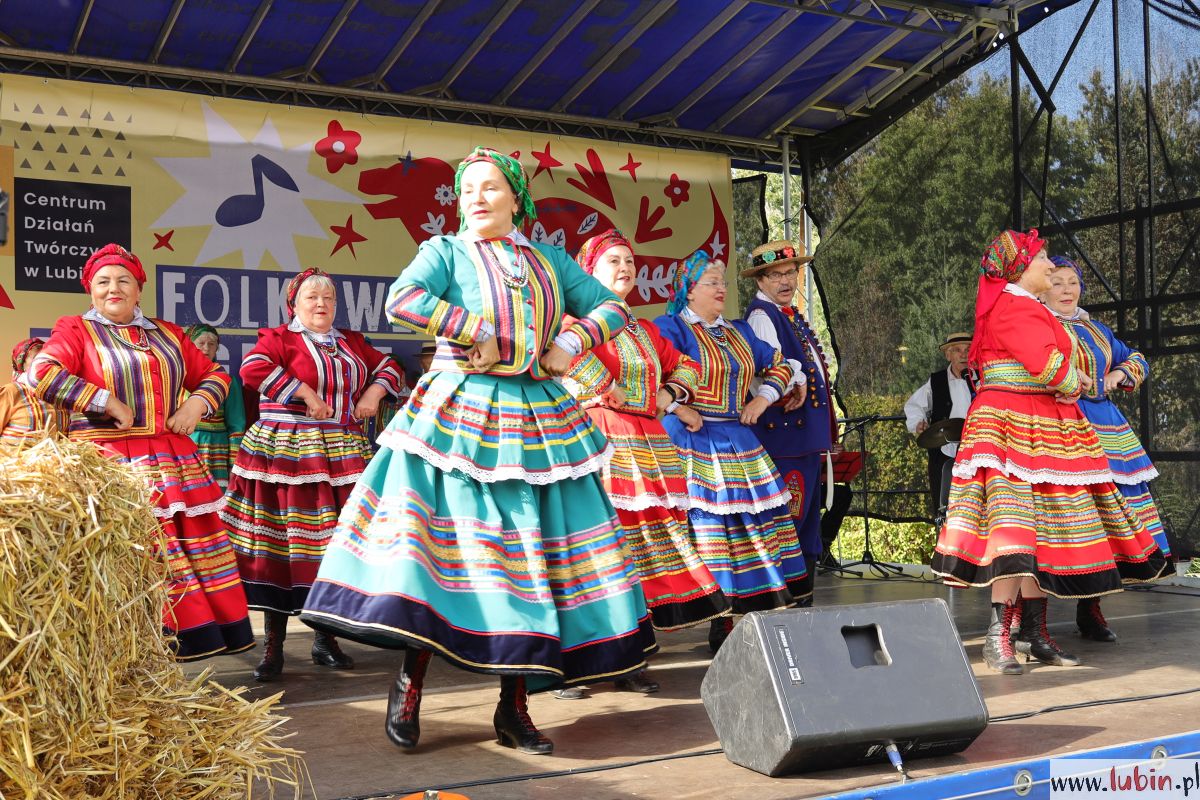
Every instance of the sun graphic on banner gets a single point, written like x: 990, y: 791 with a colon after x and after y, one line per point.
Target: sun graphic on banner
x: 251, y: 193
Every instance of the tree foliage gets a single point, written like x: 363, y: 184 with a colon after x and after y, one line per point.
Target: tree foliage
x: 904, y: 221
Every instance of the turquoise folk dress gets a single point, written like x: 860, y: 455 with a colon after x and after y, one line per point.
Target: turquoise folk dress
x: 481, y: 530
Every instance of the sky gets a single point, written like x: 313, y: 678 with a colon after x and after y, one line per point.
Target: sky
x: 1046, y: 43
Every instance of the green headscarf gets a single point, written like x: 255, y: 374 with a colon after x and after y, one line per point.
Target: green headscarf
x: 517, y: 177
x: 194, y: 332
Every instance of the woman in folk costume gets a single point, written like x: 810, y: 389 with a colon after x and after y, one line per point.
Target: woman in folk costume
x: 1033, y: 509
x: 22, y: 415
x: 741, y: 523
x: 218, y: 436
x: 123, y: 377
x: 300, y: 460
x: 1111, y: 365
x: 627, y: 384
x: 481, y: 531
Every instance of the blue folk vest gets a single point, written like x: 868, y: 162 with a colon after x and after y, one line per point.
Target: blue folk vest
x: 808, y: 429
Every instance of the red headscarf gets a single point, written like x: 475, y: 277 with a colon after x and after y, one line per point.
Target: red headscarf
x: 1003, y: 263
x: 294, y: 286
x: 112, y: 254
x: 596, y: 246
x: 21, y: 352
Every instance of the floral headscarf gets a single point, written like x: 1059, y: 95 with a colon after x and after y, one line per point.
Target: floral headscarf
x: 293, y: 289
x: 1063, y: 261
x: 1004, y: 261
x: 1010, y: 253
x: 21, y: 352
x: 686, y: 275
x: 108, y: 255
x: 597, y: 246
x: 517, y: 177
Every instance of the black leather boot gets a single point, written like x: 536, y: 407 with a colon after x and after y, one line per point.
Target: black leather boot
x: 997, y: 645
x: 1034, y: 640
x: 327, y: 653
x: 718, y: 632
x: 513, y: 726
x: 637, y: 682
x: 1092, y: 624
x: 271, y: 666
x: 403, y: 721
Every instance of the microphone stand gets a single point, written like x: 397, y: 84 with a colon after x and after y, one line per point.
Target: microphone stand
x: 881, y: 569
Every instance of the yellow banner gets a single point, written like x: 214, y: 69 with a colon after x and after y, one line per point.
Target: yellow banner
x: 224, y: 199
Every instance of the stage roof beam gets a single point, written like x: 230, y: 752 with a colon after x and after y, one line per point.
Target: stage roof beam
x: 679, y: 56
x: 164, y: 32
x: 406, y: 38
x: 481, y: 41
x: 651, y: 13
x: 248, y: 35
x: 560, y: 35
x: 330, y: 34
x: 80, y: 25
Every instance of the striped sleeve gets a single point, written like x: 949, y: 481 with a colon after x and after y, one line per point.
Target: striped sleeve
x: 263, y: 370
x: 773, y: 369
x: 1059, y: 376
x: 415, y: 300
x: 1035, y: 338
x: 55, y: 370
x: 587, y: 378
x: 1128, y: 360
x: 417, y: 309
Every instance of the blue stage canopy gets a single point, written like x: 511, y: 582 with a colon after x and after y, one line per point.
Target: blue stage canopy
x: 729, y: 76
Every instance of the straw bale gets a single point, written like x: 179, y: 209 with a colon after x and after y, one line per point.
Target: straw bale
x: 92, y: 704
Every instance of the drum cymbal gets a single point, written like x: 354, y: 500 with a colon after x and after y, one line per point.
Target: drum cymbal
x: 948, y: 431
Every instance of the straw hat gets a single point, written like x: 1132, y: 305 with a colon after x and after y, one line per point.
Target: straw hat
x: 954, y: 338
x: 775, y: 254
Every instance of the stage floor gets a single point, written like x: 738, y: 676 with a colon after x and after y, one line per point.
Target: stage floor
x: 622, y: 745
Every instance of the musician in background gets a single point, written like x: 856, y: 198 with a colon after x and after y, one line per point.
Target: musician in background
x: 798, y: 430
x: 946, y: 395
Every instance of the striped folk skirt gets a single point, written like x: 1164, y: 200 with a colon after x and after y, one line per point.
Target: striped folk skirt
x: 206, y: 605
x: 741, y: 523
x: 481, y: 531
x: 645, y: 482
x: 292, y: 476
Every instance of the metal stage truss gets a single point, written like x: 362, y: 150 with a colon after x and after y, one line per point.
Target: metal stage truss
x: 736, y: 77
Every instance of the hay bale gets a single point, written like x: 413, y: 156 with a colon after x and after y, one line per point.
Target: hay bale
x: 92, y: 704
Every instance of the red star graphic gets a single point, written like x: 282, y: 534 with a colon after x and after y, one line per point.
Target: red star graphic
x: 347, y: 236
x: 164, y: 240
x: 5, y: 300
x: 631, y: 167
x: 546, y: 162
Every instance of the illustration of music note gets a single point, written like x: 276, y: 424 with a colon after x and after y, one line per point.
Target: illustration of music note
x: 242, y: 209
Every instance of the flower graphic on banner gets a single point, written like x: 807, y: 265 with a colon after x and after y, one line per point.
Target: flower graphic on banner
x: 339, y: 147
x: 677, y: 191
x: 445, y: 195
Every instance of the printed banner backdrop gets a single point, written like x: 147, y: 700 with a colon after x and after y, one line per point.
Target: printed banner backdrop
x: 223, y: 200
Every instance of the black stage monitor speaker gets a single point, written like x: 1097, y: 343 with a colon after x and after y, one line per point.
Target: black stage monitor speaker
x: 819, y: 688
